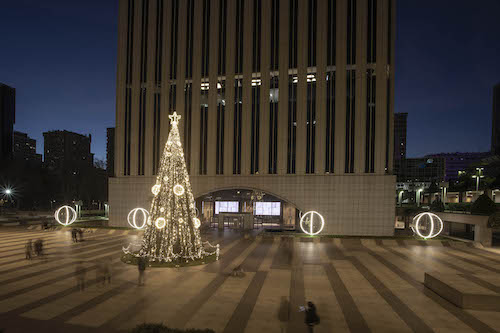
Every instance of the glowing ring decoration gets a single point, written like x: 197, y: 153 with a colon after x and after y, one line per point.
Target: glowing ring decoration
x: 160, y: 223
x: 69, y: 210
x: 196, y: 222
x: 178, y: 190
x: 432, y: 232
x: 303, y: 219
x: 156, y: 189
x: 132, y: 218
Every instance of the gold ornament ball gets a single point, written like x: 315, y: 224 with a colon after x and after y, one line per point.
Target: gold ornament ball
x: 156, y: 189
x: 178, y: 190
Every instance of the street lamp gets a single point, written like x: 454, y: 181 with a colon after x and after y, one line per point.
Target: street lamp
x: 478, y: 175
x: 8, y: 191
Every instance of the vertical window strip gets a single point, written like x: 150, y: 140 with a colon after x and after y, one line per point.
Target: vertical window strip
x: 370, y: 123
x: 188, y: 104
x: 332, y: 30
x: 292, y: 27
x: 156, y: 132
x: 388, y: 96
x: 351, y: 32
x: 240, y: 15
x: 238, y: 91
x: 173, y: 37
x: 254, y: 158
x: 189, y: 39
x: 256, y: 35
x: 203, y: 128
x: 275, y: 34
x: 172, y: 98
x: 142, y: 129
x: 221, y: 69
x: 372, y: 32
x: 311, y: 123
x: 221, y: 108
x: 311, y: 32
x: 330, y: 123
x: 144, y: 40
x: 273, y: 124
x: 350, y: 121
x: 159, y: 42
x: 205, y: 51
x: 130, y: 41
x: 127, y: 128
x: 292, y: 123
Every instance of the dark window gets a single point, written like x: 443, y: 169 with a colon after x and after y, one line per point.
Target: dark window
x: 203, y: 127
x: 387, y: 124
x: 351, y: 32
x: 130, y: 41
x: 221, y: 69
x: 350, y: 121
x: 142, y: 129
x: 221, y: 109
x: 330, y: 123
x: 156, y: 131
x: 238, y: 108
x: 370, y: 122
x: 254, y: 155
x: 332, y: 30
x: 256, y: 35
x: 240, y: 15
x: 189, y: 39
x: 205, y: 45
x: 371, y: 48
x: 173, y: 38
x: 311, y: 123
x: 128, y: 118
x: 172, y: 98
x: 292, y: 49
x: 159, y: 42
x: 311, y: 31
x: 292, y: 124
x: 275, y: 26
x: 188, y: 107
x: 144, y: 40
x: 273, y: 124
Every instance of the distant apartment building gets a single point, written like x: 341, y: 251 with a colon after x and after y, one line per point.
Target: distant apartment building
x: 110, y: 151
x: 456, y: 162
x: 24, y: 148
x: 64, y: 149
x: 495, y: 136
x: 420, y: 170
x: 7, y: 120
x: 400, y: 128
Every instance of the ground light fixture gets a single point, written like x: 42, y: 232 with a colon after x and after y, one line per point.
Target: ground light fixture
x: 65, y: 215
x: 309, y: 220
x: 435, y: 225
x: 137, y: 218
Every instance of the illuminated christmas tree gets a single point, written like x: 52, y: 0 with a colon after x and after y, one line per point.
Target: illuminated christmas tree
x: 172, y: 232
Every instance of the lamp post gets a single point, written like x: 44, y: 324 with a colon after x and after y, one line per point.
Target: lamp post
x: 478, y: 176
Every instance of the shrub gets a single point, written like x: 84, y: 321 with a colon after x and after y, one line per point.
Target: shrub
x: 159, y: 328
x: 458, y: 207
x: 437, y: 206
x: 483, y: 206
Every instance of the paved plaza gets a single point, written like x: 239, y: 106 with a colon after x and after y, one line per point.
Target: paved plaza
x: 358, y: 285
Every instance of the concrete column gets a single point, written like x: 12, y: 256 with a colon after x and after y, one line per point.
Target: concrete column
x: 120, y: 88
x: 265, y: 65
x: 301, y: 87
x: 483, y: 234
x: 195, y: 114
x: 246, y: 142
x: 181, y: 66
x: 212, y: 93
x: 165, y: 85
x: 148, y: 133
x: 340, y: 87
x: 360, y: 120
x: 322, y: 35
x: 283, y: 87
x: 229, y: 110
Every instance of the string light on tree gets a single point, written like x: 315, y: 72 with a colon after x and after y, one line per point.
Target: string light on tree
x: 175, y: 233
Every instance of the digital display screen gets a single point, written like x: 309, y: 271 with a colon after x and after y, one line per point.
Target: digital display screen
x: 267, y: 208
x: 226, y: 207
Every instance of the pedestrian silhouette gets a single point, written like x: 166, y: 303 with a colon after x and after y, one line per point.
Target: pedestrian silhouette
x: 141, y: 266
x: 29, y: 250
x: 80, y: 272
x: 107, y: 270
x: 284, y: 313
x: 73, y: 235
x: 312, y: 317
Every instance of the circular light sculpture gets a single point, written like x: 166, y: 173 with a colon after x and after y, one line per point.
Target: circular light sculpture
x: 156, y: 189
x: 134, y: 221
x: 160, y: 223
x: 70, y: 215
x: 435, y: 224
x: 196, y: 222
x: 315, y: 220
x: 178, y: 190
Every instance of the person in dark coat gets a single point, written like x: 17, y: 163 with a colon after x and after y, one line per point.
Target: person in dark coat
x: 284, y: 313
x: 312, y: 317
x: 73, y: 235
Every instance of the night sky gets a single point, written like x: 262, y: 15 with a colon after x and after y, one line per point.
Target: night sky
x: 61, y: 58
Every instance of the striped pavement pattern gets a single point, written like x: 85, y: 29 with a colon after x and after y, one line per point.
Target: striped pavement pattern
x: 358, y: 285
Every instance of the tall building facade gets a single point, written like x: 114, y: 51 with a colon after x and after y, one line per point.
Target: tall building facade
x: 290, y: 97
x: 25, y: 148
x: 110, y: 151
x: 457, y: 162
x: 400, y: 128
x: 7, y: 120
x: 64, y: 150
x: 495, y: 136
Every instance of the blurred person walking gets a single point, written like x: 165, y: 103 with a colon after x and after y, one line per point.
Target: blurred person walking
x: 284, y: 313
x: 29, y: 250
x: 141, y: 266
